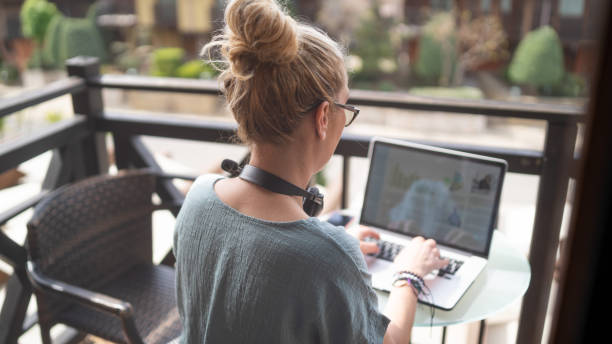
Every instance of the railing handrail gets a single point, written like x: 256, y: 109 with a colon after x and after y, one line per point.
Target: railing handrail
x: 398, y: 100
x: 79, y: 148
x: 158, y: 84
x: 351, y: 145
x: 55, y: 135
x: 33, y: 97
x: 485, y: 107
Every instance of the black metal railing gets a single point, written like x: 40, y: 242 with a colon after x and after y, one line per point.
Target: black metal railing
x: 79, y: 150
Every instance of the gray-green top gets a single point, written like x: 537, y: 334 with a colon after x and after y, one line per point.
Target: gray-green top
x: 244, y: 280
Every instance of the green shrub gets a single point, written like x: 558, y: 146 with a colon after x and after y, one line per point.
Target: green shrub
x: 431, y: 57
x: 436, y: 49
x: 571, y: 85
x: 35, y: 17
x: 9, y: 74
x: 538, y: 59
x: 81, y: 37
x: 69, y: 37
x: 51, y: 49
x: 129, y: 62
x: 372, y: 44
x: 195, y: 69
x: 166, y: 61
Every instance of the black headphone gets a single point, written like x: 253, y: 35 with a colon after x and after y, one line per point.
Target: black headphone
x: 313, y: 199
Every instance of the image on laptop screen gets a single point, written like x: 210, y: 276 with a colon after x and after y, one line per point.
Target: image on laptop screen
x: 452, y: 199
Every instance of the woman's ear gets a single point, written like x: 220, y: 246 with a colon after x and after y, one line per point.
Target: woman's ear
x: 321, y: 117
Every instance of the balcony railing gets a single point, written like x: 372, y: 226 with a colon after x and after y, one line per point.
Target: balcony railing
x: 79, y: 150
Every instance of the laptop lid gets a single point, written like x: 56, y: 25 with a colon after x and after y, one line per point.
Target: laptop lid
x: 449, y: 196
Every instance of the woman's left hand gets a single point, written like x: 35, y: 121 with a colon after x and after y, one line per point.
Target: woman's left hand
x: 361, y: 233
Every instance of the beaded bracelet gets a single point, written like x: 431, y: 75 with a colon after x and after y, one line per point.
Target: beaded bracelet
x: 415, y: 280
x: 404, y: 281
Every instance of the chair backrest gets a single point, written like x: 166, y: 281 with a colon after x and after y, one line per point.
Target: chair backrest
x: 91, y: 231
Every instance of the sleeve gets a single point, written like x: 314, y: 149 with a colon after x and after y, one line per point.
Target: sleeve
x: 348, y: 303
x: 350, y: 316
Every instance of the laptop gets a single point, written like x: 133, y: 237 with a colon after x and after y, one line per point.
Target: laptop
x: 449, y: 196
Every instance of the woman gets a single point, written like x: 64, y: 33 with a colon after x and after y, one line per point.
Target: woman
x: 252, y: 266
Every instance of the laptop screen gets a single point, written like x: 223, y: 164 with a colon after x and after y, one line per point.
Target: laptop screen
x: 451, y: 198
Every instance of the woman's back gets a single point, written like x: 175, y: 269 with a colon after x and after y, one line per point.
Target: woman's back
x: 241, y: 279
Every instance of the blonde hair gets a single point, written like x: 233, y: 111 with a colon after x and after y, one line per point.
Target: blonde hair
x: 274, y: 69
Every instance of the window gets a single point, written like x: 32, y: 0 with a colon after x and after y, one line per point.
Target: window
x: 571, y: 8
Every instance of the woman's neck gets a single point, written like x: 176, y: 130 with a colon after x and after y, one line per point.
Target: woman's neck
x: 283, y: 162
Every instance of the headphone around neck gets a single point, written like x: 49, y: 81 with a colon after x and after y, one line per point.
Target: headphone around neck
x: 313, y: 199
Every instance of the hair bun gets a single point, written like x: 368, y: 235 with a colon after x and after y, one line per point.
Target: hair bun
x: 258, y: 31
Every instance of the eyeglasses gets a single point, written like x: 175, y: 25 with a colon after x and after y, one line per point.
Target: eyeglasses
x: 349, y: 118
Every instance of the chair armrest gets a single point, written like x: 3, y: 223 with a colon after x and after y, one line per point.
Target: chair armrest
x: 100, y: 301
x: 89, y: 298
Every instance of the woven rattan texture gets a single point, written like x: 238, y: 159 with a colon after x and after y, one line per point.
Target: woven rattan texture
x: 91, y: 234
x: 150, y: 290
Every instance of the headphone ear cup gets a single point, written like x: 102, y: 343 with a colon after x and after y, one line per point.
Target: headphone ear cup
x: 314, y: 206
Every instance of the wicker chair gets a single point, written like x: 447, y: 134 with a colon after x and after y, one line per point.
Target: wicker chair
x: 90, y: 246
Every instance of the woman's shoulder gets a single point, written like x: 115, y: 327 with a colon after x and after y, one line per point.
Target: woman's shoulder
x: 202, y: 187
x: 340, y: 243
x: 205, y: 182
x: 200, y: 196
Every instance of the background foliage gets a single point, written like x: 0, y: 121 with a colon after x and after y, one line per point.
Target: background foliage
x: 538, y: 59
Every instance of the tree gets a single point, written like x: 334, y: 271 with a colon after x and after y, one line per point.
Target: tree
x: 481, y: 40
x: 35, y: 18
x: 373, y: 45
x: 449, y: 47
x: 437, y: 50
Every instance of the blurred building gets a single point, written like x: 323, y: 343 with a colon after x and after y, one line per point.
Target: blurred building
x: 185, y: 23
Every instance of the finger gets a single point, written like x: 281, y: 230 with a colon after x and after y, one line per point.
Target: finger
x: 368, y: 247
x: 430, y: 243
x: 418, y: 239
x: 442, y: 263
x: 368, y: 232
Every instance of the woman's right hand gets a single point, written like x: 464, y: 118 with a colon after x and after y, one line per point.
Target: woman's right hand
x: 420, y: 257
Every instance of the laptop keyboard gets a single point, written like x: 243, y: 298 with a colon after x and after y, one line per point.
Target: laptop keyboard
x: 388, y: 250
x: 451, y: 268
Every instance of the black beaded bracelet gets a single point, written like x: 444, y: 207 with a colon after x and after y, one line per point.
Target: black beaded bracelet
x: 415, y: 280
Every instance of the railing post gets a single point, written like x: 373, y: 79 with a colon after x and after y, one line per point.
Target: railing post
x: 18, y: 291
x: 66, y: 165
x: 345, y: 181
x: 552, y: 192
x: 89, y: 103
